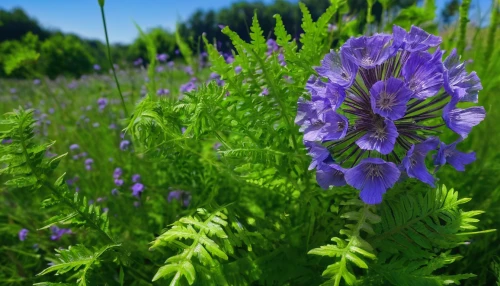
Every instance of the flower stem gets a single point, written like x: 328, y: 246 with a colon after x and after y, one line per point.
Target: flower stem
x: 111, y: 62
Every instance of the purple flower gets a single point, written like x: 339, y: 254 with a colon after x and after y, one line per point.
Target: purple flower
x: 36, y: 81
x: 162, y: 57
x: 89, y: 161
x: 380, y: 136
x: 416, y: 40
x: 170, y: 64
x: 138, y: 62
x: 380, y: 97
x: 74, y: 147
x: 163, y: 91
x: 117, y: 173
x: 338, y: 69
x: 460, y: 120
x: 424, y: 74
x: 57, y: 232
x: 181, y: 196
x: 238, y: 69
x: 124, y: 145
x: 389, y: 98
x: 457, y: 82
x: 190, y: 86
x: 115, y: 192
x: 372, y: 176
x: 136, y: 178
x: 318, y: 152
x: 119, y: 182
x: 272, y: 46
x: 368, y: 52
x: 414, y: 162
x: 97, y: 67
x: 449, y: 154
x: 102, y: 102
x: 13, y: 90
x: 330, y: 174
x: 23, y: 234
x: 265, y: 91
x: 137, y: 189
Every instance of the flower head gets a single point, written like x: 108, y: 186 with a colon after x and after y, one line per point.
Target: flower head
x: 124, y: 145
x: 23, y: 234
x: 136, y: 178
x: 372, y: 119
x: 137, y: 189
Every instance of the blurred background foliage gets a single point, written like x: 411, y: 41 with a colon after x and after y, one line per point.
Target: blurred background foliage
x: 20, y: 34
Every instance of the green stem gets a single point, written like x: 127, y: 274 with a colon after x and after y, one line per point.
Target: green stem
x: 111, y: 62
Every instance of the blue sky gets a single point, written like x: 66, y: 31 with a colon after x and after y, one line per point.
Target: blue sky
x: 83, y: 16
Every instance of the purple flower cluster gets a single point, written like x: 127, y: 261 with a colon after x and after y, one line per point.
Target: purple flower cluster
x: 378, y: 106
x: 137, y: 187
x: 88, y: 164
x: 117, y: 177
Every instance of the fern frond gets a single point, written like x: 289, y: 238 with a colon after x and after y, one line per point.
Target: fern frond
x: 209, y: 239
x: 353, y: 249
x: 417, y: 225
x: 74, y: 258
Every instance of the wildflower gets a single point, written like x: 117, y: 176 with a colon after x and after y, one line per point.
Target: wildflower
x: 215, y: 76
x: 88, y: 164
x: 137, y: 189
x: 190, y: 86
x: 181, y: 196
x: 115, y: 192
x: 23, y: 234
x: 102, y: 102
x: 97, y: 67
x: 188, y: 70
x: 162, y: 57
x: 238, y: 69
x: 13, y: 90
x: 95, y: 124
x: 124, y: 145
x: 163, y: 91
x: 57, y: 232
x: 136, y: 178
x: 74, y: 147
x: 170, y: 64
x: 119, y: 182
x: 265, y: 91
x: 36, y: 81
x: 138, y: 62
x: 272, y: 46
x: 367, y: 124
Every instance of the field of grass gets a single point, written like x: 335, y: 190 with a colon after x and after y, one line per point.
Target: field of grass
x: 107, y: 165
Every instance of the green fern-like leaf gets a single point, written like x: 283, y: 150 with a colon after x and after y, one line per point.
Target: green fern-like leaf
x: 353, y: 249
x: 75, y: 258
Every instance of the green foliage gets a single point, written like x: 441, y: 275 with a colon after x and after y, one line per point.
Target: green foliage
x: 421, y: 16
x: 65, y: 54
x: 74, y: 258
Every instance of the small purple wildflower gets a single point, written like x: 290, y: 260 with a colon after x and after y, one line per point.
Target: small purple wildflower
x: 102, y: 102
x: 138, y: 62
x: 74, y: 147
x: 163, y: 91
x: 137, y: 189
x: 117, y: 173
x: 181, y: 196
x: 97, y: 67
x: 162, y: 57
x: 136, y: 178
x: 36, y: 81
x: 124, y: 145
x: 119, y: 182
x: 13, y: 90
x: 23, y: 234
x: 57, y: 232
x: 115, y: 192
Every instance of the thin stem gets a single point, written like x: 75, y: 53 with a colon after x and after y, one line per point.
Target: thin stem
x: 111, y: 62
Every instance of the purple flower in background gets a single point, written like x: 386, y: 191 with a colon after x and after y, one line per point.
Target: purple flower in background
x: 36, y: 81
x: 162, y: 57
x: 136, y: 178
x: 177, y: 52
x: 73, y: 85
x: 74, y: 147
x: 264, y: 92
x: 137, y: 189
x: 102, y: 102
x: 188, y: 70
x: 6, y: 141
x: 115, y: 192
x: 215, y: 76
x: 238, y: 69
x: 390, y: 86
x: 163, y: 91
x: 117, y: 173
x: 23, y: 234
x: 160, y: 68
x: 170, y: 64
x: 97, y: 67
x: 138, y: 62
x: 57, y: 232
x: 124, y: 145
x: 88, y: 164
x: 190, y: 86
x: 119, y: 182
x: 181, y: 196
x: 272, y: 46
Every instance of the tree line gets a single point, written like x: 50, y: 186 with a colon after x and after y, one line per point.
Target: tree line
x: 28, y: 50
